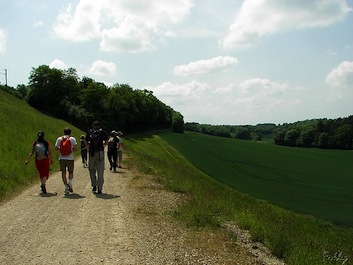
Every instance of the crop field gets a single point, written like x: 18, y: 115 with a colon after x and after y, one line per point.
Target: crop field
x: 309, y: 181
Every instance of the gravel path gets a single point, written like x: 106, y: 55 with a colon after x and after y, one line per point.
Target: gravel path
x: 128, y: 224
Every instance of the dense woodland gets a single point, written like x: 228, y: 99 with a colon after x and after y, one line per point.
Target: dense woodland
x: 319, y: 133
x: 79, y: 101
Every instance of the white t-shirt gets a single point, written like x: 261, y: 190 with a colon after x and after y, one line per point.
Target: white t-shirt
x: 73, y: 143
x: 120, y: 146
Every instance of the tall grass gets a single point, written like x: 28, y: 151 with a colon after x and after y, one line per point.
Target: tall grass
x: 298, y: 239
x: 20, y: 124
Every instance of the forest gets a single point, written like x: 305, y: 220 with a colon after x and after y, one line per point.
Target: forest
x: 319, y: 133
x: 79, y: 101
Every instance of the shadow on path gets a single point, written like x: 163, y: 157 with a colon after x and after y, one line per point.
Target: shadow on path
x: 74, y: 196
x: 106, y: 196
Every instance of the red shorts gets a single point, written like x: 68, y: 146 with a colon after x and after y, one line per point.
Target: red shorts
x: 43, y: 167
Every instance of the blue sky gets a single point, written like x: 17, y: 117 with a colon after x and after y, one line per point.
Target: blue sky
x: 214, y: 61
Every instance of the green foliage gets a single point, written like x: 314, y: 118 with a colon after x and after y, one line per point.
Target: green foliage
x: 62, y: 94
x: 245, y: 132
x: 298, y: 239
x: 323, y: 133
x: 19, y: 126
x: 177, y: 123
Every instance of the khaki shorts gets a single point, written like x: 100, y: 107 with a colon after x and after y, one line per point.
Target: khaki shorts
x: 69, y: 164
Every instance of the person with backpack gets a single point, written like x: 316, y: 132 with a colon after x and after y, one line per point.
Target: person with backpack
x: 66, y: 145
x: 113, y: 142
x: 96, y: 139
x: 43, y: 159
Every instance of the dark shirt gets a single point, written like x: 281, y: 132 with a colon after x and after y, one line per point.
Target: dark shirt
x: 95, y: 138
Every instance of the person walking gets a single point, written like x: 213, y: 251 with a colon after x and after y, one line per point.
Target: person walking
x: 96, y: 139
x: 66, y: 145
x: 120, y: 148
x: 83, y: 145
x: 112, y: 150
x: 43, y: 159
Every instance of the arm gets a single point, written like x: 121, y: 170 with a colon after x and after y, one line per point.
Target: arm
x: 50, y: 156
x: 75, y: 148
x: 57, y: 144
x: 29, y: 156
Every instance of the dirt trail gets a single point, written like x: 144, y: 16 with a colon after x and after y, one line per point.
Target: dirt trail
x: 128, y: 224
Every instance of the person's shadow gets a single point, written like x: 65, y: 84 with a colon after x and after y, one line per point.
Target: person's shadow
x: 74, y: 196
x: 48, y: 194
x: 106, y: 196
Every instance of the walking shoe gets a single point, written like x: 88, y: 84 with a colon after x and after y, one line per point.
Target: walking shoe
x: 44, y: 190
x: 67, y: 189
x: 94, y: 188
x: 70, y: 187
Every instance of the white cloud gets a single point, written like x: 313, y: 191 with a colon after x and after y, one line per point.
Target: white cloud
x: 102, y: 68
x: 258, y: 18
x: 58, y: 64
x: 121, y: 25
x: 342, y: 75
x: 37, y: 23
x: 180, y: 94
x: 3, y: 37
x: 225, y: 89
x: 253, y: 99
x: 132, y: 35
x: 81, y: 24
x: 206, y: 66
x: 262, y: 87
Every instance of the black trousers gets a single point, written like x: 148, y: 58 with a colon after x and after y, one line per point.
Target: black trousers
x: 112, y: 157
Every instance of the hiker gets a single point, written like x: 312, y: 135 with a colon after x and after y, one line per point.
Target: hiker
x: 66, y: 145
x: 43, y: 159
x: 83, y: 145
x: 112, y: 150
x: 96, y: 139
x: 120, y: 148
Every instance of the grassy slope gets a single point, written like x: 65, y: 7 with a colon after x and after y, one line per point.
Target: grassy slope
x: 296, y: 238
x: 19, y: 126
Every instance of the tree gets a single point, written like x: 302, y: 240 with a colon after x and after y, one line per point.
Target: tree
x: 306, y: 137
x: 291, y: 137
x: 344, y: 136
x: 93, y: 100
x: 46, y: 89
x: 178, y: 123
x: 243, y: 133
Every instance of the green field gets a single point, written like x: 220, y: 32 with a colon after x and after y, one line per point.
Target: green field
x: 309, y: 181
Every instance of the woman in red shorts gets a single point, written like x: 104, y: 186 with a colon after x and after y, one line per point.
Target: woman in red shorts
x: 43, y: 159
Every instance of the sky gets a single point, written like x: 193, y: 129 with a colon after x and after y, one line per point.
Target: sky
x: 217, y: 62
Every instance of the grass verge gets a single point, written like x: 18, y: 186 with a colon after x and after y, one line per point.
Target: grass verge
x: 297, y: 239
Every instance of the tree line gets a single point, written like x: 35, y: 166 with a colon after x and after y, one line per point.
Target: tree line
x: 244, y: 132
x: 79, y: 101
x: 319, y: 133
